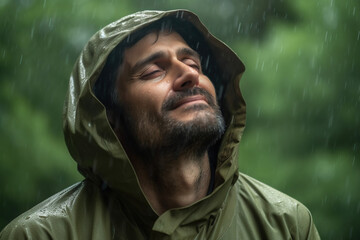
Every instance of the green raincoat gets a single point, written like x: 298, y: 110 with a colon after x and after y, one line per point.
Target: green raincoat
x: 109, y: 203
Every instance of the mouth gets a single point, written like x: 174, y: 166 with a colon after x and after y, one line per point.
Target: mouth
x: 195, y: 97
x: 190, y: 100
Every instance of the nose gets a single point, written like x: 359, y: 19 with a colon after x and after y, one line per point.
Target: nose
x: 185, y: 76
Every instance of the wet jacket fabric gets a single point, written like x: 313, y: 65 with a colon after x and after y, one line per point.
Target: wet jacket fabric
x: 109, y: 203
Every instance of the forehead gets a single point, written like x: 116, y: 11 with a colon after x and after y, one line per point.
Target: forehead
x: 153, y: 42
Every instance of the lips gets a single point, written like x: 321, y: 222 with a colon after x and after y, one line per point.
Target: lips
x: 178, y: 99
x: 189, y: 100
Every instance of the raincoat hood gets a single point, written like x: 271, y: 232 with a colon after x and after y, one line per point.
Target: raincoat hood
x: 110, y: 204
x: 93, y: 143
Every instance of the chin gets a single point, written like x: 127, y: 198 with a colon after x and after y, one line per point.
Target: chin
x: 204, y: 127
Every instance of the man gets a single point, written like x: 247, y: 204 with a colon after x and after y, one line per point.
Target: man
x: 154, y: 116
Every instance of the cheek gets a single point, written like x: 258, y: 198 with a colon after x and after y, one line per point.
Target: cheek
x: 147, y: 97
x: 208, y: 86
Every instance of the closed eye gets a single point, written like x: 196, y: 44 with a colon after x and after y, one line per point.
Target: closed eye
x: 151, y: 73
x: 192, y: 63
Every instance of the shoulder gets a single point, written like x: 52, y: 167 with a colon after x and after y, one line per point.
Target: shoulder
x: 260, y: 193
x: 53, y: 218
x: 272, y: 209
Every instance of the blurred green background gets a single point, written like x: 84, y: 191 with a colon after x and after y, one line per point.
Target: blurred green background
x: 301, y: 85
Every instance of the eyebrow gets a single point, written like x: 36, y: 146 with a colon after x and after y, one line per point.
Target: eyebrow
x: 161, y: 54
x: 188, y: 51
x: 141, y: 63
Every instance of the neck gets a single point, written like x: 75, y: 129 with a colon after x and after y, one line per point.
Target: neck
x: 172, y: 182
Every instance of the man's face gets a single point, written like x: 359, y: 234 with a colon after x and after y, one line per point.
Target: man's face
x: 164, y: 96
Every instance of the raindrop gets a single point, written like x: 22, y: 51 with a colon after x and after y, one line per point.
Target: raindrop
x: 51, y: 23
x: 331, y: 119
x: 358, y: 38
x: 348, y: 199
x: 21, y: 58
x: 181, y: 14
x: 250, y: 26
x: 43, y: 214
x: 281, y: 49
x: 32, y: 32
x: 207, y: 62
x: 350, y: 233
x: 44, y: 4
x: 259, y: 112
x: 128, y: 38
x: 299, y: 52
x: 354, y: 11
x: 239, y: 27
x: 197, y: 45
x: 312, y: 62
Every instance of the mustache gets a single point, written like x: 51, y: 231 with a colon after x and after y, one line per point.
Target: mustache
x: 172, y: 101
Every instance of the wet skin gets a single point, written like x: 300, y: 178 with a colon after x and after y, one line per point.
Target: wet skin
x: 160, y: 86
x: 157, y: 67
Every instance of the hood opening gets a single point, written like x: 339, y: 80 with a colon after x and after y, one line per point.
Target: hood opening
x: 89, y: 137
x: 104, y: 87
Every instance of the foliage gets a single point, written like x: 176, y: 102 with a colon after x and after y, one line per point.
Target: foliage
x: 301, y: 86
x: 303, y: 92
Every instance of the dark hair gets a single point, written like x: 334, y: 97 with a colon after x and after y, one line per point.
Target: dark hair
x: 104, y: 87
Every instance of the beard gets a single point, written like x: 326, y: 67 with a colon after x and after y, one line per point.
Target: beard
x: 153, y: 134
